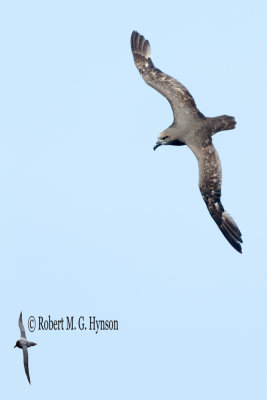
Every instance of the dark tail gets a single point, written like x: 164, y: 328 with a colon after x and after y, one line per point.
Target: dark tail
x: 222, y: 123
x: 31, y: 344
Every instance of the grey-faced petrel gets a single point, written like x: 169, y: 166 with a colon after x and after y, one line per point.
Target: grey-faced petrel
x: 23, y: 344
x: 190, y: 127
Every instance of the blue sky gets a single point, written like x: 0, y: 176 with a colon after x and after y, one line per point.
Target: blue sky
x: 95, y: 223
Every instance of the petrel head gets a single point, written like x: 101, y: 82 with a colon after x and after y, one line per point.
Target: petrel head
x: 163, y: 139
x: 169, y: 136
x: 16, y: 345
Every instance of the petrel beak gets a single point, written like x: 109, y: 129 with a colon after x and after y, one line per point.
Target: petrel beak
x: 15, y: 346
x: 158, y: 143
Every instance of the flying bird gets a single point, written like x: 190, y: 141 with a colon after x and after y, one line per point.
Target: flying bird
x: 23, y: 344
x: 190, y: 127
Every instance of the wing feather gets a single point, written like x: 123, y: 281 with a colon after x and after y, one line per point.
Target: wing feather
x: 21, y: 327
x: 210, y: 180
x: 178, y: 96
x: 26, y: 362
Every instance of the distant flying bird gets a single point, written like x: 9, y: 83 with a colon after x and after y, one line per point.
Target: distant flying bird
x: 190, y: 127
x: 23, y: 344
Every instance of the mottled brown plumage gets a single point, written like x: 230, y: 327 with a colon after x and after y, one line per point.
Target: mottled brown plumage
x: 190, y: 127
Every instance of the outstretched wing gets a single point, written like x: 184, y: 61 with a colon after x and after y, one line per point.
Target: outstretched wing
x: 21, y: 327
x: 179, y: 97
x: 26, y: 362
x: 210, y: 180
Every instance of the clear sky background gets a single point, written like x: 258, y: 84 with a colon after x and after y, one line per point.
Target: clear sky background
x: 94, y: 222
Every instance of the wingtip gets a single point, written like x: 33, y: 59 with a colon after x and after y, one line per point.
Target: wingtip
x: 225, y: 223
x: 231, y: 232
x: 28, y: 377
x: 237, y: 247
x: 141, y: 50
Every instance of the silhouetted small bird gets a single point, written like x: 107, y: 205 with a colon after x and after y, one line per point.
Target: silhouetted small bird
x: 23, y: 344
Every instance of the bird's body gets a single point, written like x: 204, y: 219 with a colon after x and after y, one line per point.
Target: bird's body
x: 23, y: 344
x: 190, y: 127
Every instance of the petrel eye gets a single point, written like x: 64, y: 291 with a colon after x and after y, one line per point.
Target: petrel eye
x: 165, y: 137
